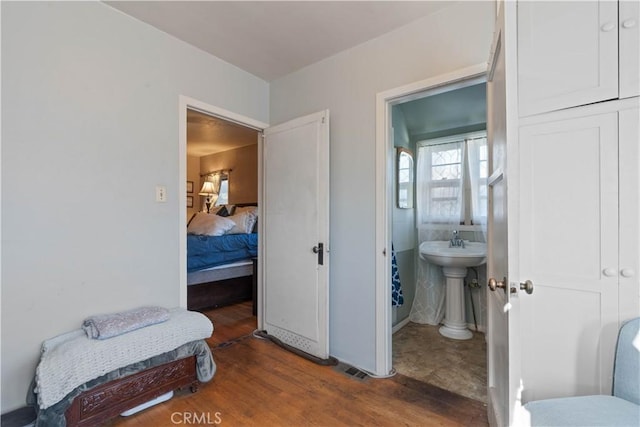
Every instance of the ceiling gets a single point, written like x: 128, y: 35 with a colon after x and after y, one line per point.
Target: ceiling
x: 454, y: 109
x: 268, y: 39
x: 271, y: 39
x: 209, y: 135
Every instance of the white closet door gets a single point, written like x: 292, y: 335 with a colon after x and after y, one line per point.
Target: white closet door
x: 569, y: 249
x: 629, y: 213
x: 567, y: 54
x: 295, y: 233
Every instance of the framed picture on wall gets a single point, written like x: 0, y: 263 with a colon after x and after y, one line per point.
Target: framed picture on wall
x: 189, y: 186
x: 189, y: 201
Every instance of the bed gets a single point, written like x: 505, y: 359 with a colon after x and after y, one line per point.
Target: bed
x: 221, y: 268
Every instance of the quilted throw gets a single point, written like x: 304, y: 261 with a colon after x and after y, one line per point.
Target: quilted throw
x: 397, y: 299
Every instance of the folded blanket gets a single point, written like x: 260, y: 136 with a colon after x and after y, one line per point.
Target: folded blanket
x: 105, y: 326
x: 72, y: 359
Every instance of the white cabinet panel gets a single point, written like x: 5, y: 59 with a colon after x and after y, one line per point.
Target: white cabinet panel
x: 629, y: 48
x: 567, y: 54
x: 569, y: 249
x: 629, y: 266
x: 574, y: 344
x: 569, y: 173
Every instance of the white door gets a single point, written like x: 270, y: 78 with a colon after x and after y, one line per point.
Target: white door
x: 569, y: 249
x: 295, y: 233
x: 567, y: 54
x: 503, y: 316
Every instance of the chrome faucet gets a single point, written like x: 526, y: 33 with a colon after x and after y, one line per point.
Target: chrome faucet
x: 456, y: 241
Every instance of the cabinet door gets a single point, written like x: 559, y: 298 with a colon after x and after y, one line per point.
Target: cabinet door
x: 569, y: 249
x: 629, y: 48
x: 567, y: 54
x: 629, y: 213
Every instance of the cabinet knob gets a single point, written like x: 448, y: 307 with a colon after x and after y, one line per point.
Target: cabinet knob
x: 629, y: 23
x: 627, y: 272
x: 610, y: 272
x: 608, y: 27
x: 527, y: 286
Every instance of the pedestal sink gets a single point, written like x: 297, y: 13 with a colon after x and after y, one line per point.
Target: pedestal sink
x: 454, y: 262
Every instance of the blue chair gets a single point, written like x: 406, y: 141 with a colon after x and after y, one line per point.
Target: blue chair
x: 621, y: 409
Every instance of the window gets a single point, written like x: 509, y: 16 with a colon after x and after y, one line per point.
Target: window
x: 452, y: 179
x: 223, y: 195
x: 442, y: 186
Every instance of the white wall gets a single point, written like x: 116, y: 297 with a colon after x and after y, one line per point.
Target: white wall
x: 403, y: 228
x: 89, y: 128
x: 455, y: 37
x: 403, y: 221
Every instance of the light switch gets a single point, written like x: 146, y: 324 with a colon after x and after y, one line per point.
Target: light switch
x: 161, y: 193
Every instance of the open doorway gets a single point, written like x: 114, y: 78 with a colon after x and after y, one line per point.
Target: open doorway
x: 435, y: 153
x: 221, y: 253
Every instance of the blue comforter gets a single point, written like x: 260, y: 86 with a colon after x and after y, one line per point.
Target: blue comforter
x: 211, y: 251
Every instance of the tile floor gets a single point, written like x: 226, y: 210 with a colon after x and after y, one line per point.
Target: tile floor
x: 420, y: 352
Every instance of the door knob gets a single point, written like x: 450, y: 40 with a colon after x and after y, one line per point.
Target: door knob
x: 627, y: 272
x: 608, y: 27
x: 610, y: 272
x: 527, y: 286
x: 629, y: 23
x: 320, y: 251
x: 494, y: 284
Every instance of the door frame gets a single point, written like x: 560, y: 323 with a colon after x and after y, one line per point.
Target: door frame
x: 184, y: 103
x: 384, y: 193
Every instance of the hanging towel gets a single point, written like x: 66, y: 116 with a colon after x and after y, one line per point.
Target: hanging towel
x: 397, y: 299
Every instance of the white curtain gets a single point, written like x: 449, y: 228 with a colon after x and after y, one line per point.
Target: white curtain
x: 478, y: 172
x: 215, y: 179
x: 439, y: 197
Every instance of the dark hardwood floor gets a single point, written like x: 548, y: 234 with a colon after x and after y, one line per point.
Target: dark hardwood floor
x: 259, y: 384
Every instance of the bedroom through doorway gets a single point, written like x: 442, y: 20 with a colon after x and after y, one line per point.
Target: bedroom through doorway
x: 222, y: 188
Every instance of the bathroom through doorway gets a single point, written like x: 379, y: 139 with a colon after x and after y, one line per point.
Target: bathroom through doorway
x: 441, y: 128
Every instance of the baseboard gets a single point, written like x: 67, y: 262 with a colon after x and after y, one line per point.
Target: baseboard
x: 399, y: 325
x: 21, y: 417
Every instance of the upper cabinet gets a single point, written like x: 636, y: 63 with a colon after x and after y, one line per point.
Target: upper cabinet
x: 576, y: 53
x: 629, y: 48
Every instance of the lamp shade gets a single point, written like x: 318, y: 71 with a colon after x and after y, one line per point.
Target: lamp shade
x: 207, y: 189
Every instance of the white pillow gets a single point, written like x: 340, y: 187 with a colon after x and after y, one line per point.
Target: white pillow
x: 250, y: 209
x: 244, y: 222
x: 210, y: 225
